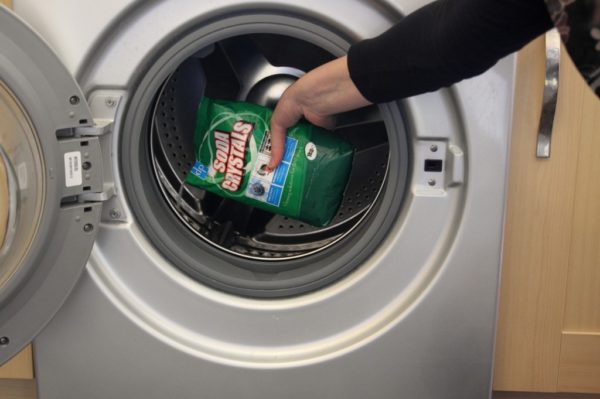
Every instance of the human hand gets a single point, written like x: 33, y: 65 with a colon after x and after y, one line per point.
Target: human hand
x: 316, y: 96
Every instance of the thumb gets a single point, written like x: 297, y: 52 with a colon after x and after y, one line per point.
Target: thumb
x: 326, y: 122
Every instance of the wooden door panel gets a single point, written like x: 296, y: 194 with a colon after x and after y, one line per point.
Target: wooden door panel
x: 579, y: 368
x: 537, y: 231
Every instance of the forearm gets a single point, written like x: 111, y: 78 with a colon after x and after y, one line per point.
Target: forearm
x: 438, y: 45
x: 443, y: 43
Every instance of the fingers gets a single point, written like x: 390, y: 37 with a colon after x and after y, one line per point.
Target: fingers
x: 277, y: 145
x: 286, y: 114
x: 278, y: 131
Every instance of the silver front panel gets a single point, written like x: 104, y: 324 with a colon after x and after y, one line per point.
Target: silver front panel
x: 415, y: 320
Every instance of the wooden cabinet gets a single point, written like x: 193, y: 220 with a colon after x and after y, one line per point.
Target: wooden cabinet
x: 19, y: 367
x: 549, y: 321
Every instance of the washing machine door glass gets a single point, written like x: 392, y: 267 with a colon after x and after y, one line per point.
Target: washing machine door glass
x: 50, y: 179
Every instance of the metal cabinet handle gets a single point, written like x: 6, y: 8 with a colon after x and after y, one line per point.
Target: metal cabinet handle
x: 13, y: 204
x: 544, y: 138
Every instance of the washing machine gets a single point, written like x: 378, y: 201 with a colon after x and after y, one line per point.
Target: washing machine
x: 132, y: 284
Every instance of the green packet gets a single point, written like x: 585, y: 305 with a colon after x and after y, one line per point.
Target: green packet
x: 233, y: 147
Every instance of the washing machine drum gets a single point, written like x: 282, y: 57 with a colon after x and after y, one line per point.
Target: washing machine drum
x: 229, y: 245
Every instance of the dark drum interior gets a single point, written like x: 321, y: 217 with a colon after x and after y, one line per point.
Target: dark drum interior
x: 256, y: 68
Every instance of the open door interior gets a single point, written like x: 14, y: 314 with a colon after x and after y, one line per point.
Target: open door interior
x: 50, y: 178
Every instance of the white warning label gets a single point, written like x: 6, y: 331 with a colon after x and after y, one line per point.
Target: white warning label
x: 73, y: 174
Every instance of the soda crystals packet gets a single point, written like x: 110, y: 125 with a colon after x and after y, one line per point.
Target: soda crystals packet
x: 233, y: 148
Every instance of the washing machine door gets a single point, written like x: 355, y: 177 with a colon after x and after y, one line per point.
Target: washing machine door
x: 50, y: 183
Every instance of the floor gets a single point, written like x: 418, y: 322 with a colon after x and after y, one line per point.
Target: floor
x: 17, y: 389
x: 25, y: 389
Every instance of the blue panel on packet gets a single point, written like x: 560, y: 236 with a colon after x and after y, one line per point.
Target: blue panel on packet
x: 290, y: 148
x: 274, y: 197
x: 280, y: 174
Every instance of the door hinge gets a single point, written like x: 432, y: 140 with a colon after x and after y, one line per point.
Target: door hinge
x: 88, y: 156
x: 105, y: 106
x: 83, y: 167
x: 99, y: 128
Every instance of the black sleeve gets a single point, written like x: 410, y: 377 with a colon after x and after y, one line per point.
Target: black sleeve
x: 443, y: 43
